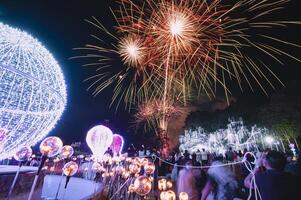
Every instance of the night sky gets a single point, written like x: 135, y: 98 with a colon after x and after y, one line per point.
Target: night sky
x: 60, y: 26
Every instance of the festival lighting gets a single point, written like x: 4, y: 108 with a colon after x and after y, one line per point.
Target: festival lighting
x: 142, y: 185
x: 67, y: 151
x: 70, y: 168
x: 183, y: 196
x: 168, y: 195
x: 99, y: 139
x: 32, y: 90
x: 23, y: 154
x: 51, y: 146
x: 117, y: 144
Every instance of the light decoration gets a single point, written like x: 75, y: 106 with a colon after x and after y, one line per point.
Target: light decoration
x: 162, y: 184
x: 51, y: 146
x: 23, y: 154
x: 168, y: 195
x: 183, y: 196
x: 32, y: 90
x: 143, y: 185
x: 70, y: 168
x: 67, y: 151
x: 99, y: 139
x: 149, y: 168
x: 2, y: 137
x: 236, y: 135
x: 117, y: 144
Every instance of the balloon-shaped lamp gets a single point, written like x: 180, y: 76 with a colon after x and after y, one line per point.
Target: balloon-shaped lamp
x: 21, y: 155
x: 99, y: 139
x: 117, y: 144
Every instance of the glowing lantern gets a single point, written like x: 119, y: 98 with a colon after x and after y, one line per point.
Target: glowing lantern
x: 131, y: 188
x: 183, y: 196
x: 162, y: 184
x: 169, y: 184
x: 99, y: 138
x: 168, y: 195
x: 67, y: 151
x: 51, y: 146
x: 134, y: 168
x: 23, y: 154
x: 143, y: 185
x: 149, y: 168
x: 117, y: 144
x: 70, y: 168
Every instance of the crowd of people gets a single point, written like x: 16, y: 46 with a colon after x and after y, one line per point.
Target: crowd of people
x: 234, y: 175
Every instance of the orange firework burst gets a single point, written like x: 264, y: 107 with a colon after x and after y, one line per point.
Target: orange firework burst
x: 132, y: 50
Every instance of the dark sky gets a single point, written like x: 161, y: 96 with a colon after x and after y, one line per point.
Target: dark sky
x: 60, y: 26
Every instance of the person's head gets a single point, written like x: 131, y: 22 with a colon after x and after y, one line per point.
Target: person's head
x: 274, y: 160
x: 203, y: 149
x: 230, y: 148
x: 188, y: 164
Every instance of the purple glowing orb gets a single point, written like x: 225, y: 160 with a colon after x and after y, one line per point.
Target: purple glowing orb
x: 117, y: 144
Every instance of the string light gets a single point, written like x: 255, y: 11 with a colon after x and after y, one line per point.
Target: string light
x: 32, y: 90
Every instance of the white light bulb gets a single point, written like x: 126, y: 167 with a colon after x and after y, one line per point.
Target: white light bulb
x: 99, y: 138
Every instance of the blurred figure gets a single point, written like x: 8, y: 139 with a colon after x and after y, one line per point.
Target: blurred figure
x: 230, y: 155
x: 274, y: 183
x: 204, y: 156
x: 187, y: 181
x: 221, y: 184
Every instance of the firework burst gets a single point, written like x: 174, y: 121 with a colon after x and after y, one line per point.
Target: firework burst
x: 179, y: 49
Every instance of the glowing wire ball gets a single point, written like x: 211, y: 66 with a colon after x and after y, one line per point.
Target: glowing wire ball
x: 143, y: 185
x: 51, y: 146
x: 67, y: 151
x: 168, y: 195
x: 183, y: 196
x: 149, y: 168
x: 99, y: 139
x: 117, y: 144
x: 23, y: 154
x: 32, y: 90
x: 70, y: 168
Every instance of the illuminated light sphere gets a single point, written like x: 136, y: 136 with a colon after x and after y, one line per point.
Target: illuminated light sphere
x: 168, y: 195
x: 183, y: 196
x: 32, y: 90
x: 67, y: 151
x: 134, y: 168
x: 99, y: 139
x: 70, y: 168
x: 162, y: 184
x: 131, y: 188
x: 149, y: 168
x: 143, y: 185
x: 117, y: 144
x: 23, y: 154
x: 96, y: 167
x: 169, y: 184
x: 51, y: 146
